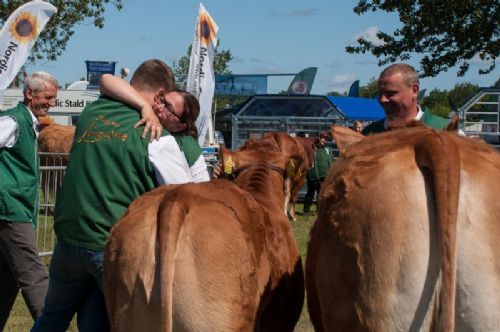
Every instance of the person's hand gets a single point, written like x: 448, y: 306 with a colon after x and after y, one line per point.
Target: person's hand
x: 151, y: 123
x: 217, y: 170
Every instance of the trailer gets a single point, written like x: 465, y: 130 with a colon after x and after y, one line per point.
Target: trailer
x: 260, y: 114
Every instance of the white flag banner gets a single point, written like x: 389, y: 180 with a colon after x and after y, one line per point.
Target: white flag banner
x: 201, y: 80
x: 18, y: 36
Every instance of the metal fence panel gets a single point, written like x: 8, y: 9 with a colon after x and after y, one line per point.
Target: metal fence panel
x: 52, y: 168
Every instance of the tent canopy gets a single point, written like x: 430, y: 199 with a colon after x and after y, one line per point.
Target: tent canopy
x: 355, y: 108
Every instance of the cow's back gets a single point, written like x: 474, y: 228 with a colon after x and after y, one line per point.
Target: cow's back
x: 202, y: 247
x: 373, y: 259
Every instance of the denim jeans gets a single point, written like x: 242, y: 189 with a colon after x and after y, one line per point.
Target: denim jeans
x: 75, y: 286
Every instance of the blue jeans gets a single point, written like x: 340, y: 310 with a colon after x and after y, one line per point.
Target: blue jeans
x: 75, y: 286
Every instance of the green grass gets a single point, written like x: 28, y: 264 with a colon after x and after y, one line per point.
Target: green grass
x: 301, y: 229
x: 20, y: 319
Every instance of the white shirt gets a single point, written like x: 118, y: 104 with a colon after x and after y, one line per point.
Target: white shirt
x: 9, y: 129
x: 199, y: 170
x: 419, y: 116
x: 170, y: 164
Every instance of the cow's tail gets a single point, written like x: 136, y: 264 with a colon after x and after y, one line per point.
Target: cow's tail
x: 440, y: 154
x: 170, y: 221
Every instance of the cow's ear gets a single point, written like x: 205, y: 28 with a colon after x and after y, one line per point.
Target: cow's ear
x: 453, y: 125
x: 344, y: 137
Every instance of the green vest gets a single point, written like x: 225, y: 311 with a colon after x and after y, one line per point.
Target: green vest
x: 19, y: 172
x: 323, y: 159
x: 190, y: 147
x: 108, y: 168
x: 429, y: 119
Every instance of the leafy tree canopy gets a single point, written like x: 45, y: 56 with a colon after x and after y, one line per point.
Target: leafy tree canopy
x: 442, y: 102
x: 56, y: 34
x: 369, y: 90
x: 447, y: 33
x: 181, y: 67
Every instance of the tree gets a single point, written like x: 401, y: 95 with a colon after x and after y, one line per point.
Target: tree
x: 53, y: 39
x: 443, y: 102
x: 370, y: 90
x: 181, y: 67
x: 460, y: 94
x: 447, y: 33
x: 437, y: 102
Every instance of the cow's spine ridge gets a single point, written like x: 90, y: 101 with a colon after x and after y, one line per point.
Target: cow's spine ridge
x: 439, y: 153
x: 170, y: 219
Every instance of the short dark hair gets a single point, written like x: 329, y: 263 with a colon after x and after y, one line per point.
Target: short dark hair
x: 152, y: 75
x: 190, y: 113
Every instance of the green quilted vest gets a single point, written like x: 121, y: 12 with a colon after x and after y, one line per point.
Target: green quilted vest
x: 19, y: 173
x: 108, y: 168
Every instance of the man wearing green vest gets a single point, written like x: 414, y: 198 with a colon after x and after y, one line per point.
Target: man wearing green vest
x: 20, y: 265
x: 110, y: 165
x: 398, y: 89
x: 322, y: 160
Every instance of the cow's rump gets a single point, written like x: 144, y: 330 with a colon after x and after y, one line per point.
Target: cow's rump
x: 379, y: 247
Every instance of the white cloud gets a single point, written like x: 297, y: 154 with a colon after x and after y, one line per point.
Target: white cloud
x: 340, y: 83
x: 370, y: 34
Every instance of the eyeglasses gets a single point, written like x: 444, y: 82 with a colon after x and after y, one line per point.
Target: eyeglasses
x: 168, y: 107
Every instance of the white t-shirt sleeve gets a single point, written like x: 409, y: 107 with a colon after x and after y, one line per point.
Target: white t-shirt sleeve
x: 9, y: 130
x: 169, y: 162
x: 199, y: 170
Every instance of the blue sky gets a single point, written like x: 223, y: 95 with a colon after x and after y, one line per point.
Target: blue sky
x: 275, y: 36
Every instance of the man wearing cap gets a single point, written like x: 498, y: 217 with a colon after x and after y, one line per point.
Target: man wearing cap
x: 322, y: 160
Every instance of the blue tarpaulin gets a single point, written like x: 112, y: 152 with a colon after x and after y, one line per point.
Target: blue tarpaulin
x: 353, y: 108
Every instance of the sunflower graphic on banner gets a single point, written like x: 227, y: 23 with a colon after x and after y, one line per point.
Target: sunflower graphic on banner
x: 201, y: 80
x: 18, y: 36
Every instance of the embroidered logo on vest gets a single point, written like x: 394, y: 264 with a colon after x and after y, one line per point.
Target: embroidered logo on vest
x: 91, y: 136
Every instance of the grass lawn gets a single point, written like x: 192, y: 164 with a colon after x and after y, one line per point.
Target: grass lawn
x: 20, y: 319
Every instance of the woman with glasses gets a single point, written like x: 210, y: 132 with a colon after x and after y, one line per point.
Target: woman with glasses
x: 177, y: 112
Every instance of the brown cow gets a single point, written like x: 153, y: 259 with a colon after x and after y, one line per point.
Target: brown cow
x: 54, y: 139
x: 309, y: 146
x: 407, y: 235
x: 215, y: 256
x: 297, y: 165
